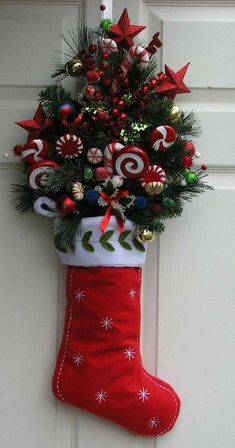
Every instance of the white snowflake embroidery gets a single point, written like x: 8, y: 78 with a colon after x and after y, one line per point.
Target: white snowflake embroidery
x: 132, y: 293
x: 78, y: 359
x: 80, y: 295
x: 106, y: 323
x: 153, y: 422
x: 143, y: 394
x: 129, y: 353
x: 101, y: 396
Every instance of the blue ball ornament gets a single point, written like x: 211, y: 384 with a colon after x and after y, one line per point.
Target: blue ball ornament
x: 140, y: 202
x: 92, y: 195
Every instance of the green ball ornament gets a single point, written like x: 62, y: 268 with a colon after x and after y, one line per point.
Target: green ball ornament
x: 105, y: 24
x: 186, y: 172
x: 192, y: 178
x: 168, y: 202
x: 88, y: 173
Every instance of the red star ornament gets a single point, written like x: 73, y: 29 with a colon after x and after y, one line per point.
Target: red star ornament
x: 123, y: 32
x: 36, y: 125
x: 173, y: 84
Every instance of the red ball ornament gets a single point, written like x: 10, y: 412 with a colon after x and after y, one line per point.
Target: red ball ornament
x: 66, y: 205
x: 89, y: 92
x: 64, y: 112
x: 125, y: 82
x: 115, y: 100
x: 92, y: 76
x: 189, y: 146
x: 156, y: 208
x: 115, y: 113
x: 123, y: 116
x: 104, y: 65
x: 92, y: 48
x: 98, y: 96
x: 187, y: 161
x: 204, y: 167
x: 103, y: 116
x: 102, y: 7
x: 105, y: 56
x: 154, y: 82
x: 107, y: 82
x: 121, y: 104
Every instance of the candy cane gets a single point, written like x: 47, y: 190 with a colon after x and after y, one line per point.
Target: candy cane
x: 37, y: 170
x: 135, y: 51
x: 45, y: 206
x: 131, y: 162
x: 34, y: 151
x: 108, y: 155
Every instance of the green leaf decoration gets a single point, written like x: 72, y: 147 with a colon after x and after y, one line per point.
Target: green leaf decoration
x: 104, y: 240
x: 138, y: 245
x: 122, y: 239
x: 85, y: 241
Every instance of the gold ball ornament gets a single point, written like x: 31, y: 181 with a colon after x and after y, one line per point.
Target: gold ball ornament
x: 74, y: 67
x: 175, y: 113
x: 78, y: 191
x: 154, y: 188
x: 144, y: 235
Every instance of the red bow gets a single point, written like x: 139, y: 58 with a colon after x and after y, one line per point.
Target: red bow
x: 110, y: 199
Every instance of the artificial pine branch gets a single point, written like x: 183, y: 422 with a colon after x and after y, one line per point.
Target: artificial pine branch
x: 64, y: 232
x: 52, y: 96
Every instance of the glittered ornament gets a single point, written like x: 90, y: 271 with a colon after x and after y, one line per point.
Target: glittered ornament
x: 144, y: 235
x: 66, y: 205
x: 105, y: 24
x: 190, y: 148
x: 88, y: 173
x: 78, y: 191
x: 69, y: 146
x: 92, y: 76
x: 64, y: 112
x: 101, y: 173
x: 192, y: 178
x: 140, y: 202
x: 94, y: 155
x: 92, y: 195
x: 156, y: 209
x: 175, y: 113
x: 168, y: 202
x: 154, y: 188
x: 74, y: 67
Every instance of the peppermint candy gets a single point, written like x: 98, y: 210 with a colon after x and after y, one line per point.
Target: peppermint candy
x: 162, y: 137
x: 108, y: 46
x: 108, y: 155
x: 94, y: 155
x: 78, y: 191
x: 69, y: 146
x: 34, y: 150
x: 154, y: 173
x: 131, y: 162
x: 38, y: 170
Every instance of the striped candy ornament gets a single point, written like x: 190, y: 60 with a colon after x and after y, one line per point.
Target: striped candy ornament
x: 37, y: 170
x: 34, y: 150
x: 108, y: 155
x: 69, y: 146
x: 154, y: 173
x: 135, y: 51
x: 162, y: 137
x: 108, y: 45
x: 131, y: 162
x: 94, y: 155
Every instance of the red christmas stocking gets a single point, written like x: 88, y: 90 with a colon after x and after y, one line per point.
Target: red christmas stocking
x: 99, y: 365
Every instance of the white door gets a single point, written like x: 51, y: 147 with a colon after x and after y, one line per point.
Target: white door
x: 188, y: 308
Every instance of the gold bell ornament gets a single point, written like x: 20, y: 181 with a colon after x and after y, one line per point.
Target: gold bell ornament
x: 175, y: 113
x: 144, y: 235
x: 74, y: 67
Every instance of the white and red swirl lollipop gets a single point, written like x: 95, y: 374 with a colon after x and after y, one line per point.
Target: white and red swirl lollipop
x: 154, y: 173
x: 69, y: 146
x: 34, y: 150
x: 109, y: 152
x: 131, y: 162
x: 162, y: 137
x: 37, y: 170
